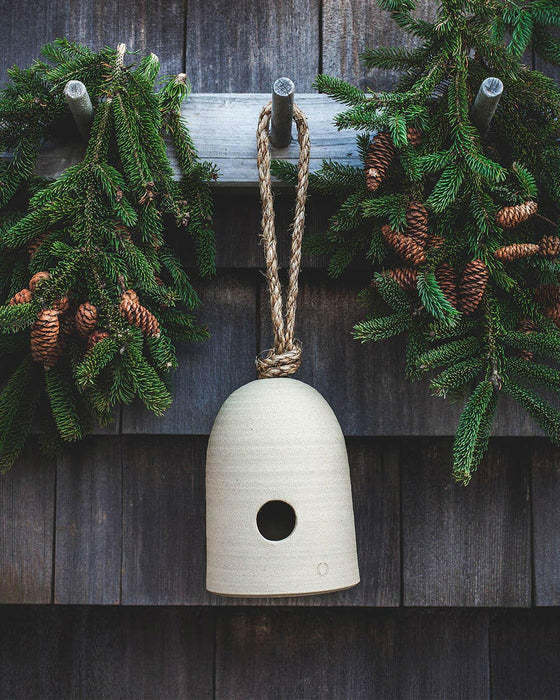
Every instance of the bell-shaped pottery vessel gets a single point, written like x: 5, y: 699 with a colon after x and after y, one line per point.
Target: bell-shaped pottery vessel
x: 279, y: 515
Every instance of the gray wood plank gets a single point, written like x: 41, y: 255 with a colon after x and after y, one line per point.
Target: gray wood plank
x: 27, y: 503
x: 105, y: 653
x: 155, y: 26
x: 466, y: 546
x: 223, y: 128
x: 245, y: 46
x: 545, y: 495
x: 525, y: 648
x: 346, y: 654
x: 88, y: 523
x: 350, y: 27
x: 164, y: 547
x: 208, y: 372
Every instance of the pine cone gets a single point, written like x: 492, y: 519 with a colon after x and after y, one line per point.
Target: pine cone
x: 380, y: 154
x: 447, y: 280
x: 85, y: 319
x: 35, y: 243
x: 138, y: 315
x: 434, y: 241
x: 547, y: 294
x: 472, y: 286
x: 509, y: 217
x: 553, y: 313
x: 405, y: 246
x: 405, y: 277
x: 417, y: 221
x: 62, y: 305
x: 527, y: 326
x: 414, y: 136
x: 36, y: 280
x: 96, y: 337
x: 23, y: 297
x: 515, y: 251
x: 549, y: 246
x: 44, y: 337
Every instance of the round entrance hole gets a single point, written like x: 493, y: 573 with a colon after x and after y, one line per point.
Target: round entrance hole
x: 276, y: 520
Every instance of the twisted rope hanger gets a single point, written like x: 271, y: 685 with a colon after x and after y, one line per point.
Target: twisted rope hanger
x: 285, y: 357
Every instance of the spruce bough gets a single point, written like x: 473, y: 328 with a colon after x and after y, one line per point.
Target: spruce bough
x: 95, y: 296
x: 461, y: 227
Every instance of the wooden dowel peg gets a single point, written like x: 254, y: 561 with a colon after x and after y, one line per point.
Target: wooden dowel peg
x: 78, y: 100
x: 282, y: 112
x: 485, y: 104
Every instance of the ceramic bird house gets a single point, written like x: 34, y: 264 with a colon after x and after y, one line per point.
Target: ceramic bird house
x: 279, y: 509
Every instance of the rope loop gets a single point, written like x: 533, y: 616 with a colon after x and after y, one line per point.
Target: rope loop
x: 285, y: 357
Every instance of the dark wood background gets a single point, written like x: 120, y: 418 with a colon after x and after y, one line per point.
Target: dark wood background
x: 118, y: 520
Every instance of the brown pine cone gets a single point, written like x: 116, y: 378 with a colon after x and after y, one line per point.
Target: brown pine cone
x: 549, y: 246
x: 405, y: 246
x: 509, y: 217
x: 36, y: 280
x: 553, y: 313
x: 515, y: 251
x: 447, y: 280
x: 85, y: 319
x: 379, y: 157
x: 138, y: 315
x: 405, y: 277
x: 417, y: 221
x: 547, y: 294
x: 434, y: 241
x: 35, y: 243
x: 23, y: 297
x: 472, y: 287
x: 96, y: 337
x: 44, y: 337
x: 414, y: 136
x: 527, y: 326
x: 62, y: 305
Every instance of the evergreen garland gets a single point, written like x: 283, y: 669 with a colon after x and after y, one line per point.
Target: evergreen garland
x: 94, y: 294
x: 462, y: 228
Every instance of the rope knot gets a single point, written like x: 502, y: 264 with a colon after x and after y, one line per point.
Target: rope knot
x: 285, y: 357
x: 279, y: 364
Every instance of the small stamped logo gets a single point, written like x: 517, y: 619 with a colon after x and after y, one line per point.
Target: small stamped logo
x: 323, y: 568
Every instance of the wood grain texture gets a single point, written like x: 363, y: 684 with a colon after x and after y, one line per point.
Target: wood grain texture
x: 27, y: 502
x: 208, y: 372
x: 466, y: 546
x: 223, y: 128
x: 524, y: 649
x: 144, y: 26
x: 346, y: 654
x: 245, y: 46
x: 545, y: 487
x: 88, y: 523
x: 105, y: 653
x: 164, y: 547
x: 350, y: 27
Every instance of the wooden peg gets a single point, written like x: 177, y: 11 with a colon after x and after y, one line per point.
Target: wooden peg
x: 485, y: 104
x: 282, y: 112
x: 78, y: 100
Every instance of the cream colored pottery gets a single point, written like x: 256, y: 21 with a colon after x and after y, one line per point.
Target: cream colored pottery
x: 278, y: 440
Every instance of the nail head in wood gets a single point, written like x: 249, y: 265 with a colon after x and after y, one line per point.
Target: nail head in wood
x: 79, y: 102
x: 282, y: 112
x: 485, y: 103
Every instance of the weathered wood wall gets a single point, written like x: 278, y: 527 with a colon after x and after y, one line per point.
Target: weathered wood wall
x: 119, y: 518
